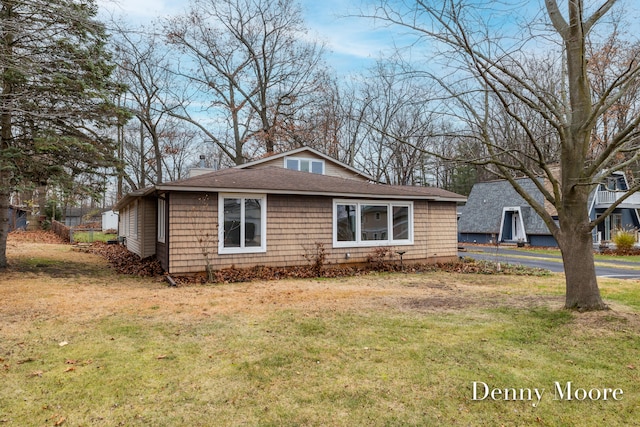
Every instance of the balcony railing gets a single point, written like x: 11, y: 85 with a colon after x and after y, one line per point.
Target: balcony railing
x: 608, y: 197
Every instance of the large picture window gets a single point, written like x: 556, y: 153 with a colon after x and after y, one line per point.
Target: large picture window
x: 368, y: 223
x: 243, y: 221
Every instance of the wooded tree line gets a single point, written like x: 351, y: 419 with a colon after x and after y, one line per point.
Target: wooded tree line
x: 237, y: 80
x: 482, y: 90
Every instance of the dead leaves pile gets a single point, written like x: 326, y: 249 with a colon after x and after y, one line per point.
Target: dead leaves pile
x: 126, y: 262
x: 464, y: 266
x: 38, y: 236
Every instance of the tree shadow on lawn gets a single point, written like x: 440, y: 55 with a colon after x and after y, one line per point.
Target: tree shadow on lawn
x: 58, y: 269
x: 59, y: 264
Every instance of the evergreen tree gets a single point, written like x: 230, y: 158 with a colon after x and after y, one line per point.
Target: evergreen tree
x: 55, y: 96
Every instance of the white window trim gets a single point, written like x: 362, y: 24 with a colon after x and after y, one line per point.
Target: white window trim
x: 371, y: 243
x: 305, y: 158
x: 162, y: 220
x: 263, y: 223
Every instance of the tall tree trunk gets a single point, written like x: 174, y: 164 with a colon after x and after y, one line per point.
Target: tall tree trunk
x: 120, y: 136
x: 6, y: 119
x: 575, y: 236
x: 158, y: 156
x: 576, y: 244
x: 142, y: 158
x: 5, y: 185
x: 5, y: 177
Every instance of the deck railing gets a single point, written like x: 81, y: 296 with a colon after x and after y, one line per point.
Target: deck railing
x: 606, y: 197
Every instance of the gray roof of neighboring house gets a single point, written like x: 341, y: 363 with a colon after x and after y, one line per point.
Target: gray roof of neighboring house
x: 483, y: 211
x: 275, y: 180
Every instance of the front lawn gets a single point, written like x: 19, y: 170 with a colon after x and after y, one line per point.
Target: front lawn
x: 81, y: 345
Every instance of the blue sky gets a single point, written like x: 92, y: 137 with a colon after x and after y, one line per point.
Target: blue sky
x: 352, y: 43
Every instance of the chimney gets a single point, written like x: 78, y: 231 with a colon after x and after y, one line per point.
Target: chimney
x: 201, y: 169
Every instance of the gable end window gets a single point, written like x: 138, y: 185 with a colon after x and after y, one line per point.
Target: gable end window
x: 372, y: 223
x: 243, y: 223
x: 304, y: 165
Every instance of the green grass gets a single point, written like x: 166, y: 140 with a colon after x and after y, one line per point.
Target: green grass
x: 92, y: 236
x: 630, y: 258
x: 383, y: 368
x: 380, y: 363
x: 556, y: 252
x: 598, y: 257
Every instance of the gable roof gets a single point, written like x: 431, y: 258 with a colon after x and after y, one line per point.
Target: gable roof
x: 303, y: 150
x: 274, y: 180
x: 284, y: 181
x: 483, y: 210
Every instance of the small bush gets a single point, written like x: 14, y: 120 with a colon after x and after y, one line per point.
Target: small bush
x: 624, y: 240
x: 381, y: 259
x: 316, y: 257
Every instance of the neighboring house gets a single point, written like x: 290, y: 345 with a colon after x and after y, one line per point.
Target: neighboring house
x: 495, y: 212
x: 274, y: 211
x: 626, y: 216
x: 73, y: 216
x: 82, y: 215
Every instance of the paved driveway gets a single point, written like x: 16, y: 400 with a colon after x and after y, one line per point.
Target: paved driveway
x: 617, y: 269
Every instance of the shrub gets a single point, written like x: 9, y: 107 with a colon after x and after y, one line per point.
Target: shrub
x: 624, y: 240
x: 316, y: 257
x: 381, y: 259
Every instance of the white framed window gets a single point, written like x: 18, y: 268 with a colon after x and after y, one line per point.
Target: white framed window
x: 304, y: 164
x: 162, y: 223
x: 243, y: 223
x: 372, y: 223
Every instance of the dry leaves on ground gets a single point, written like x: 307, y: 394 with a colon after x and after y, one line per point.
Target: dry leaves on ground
x: 38, y: 236
x: 126, y: 262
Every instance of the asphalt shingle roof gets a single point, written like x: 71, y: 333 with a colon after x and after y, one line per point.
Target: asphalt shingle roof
x: 285, y: 181
x: 483, y: 210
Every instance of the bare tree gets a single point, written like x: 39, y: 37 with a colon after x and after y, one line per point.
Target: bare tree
x: 389, y: 125
x: 489, y: 74
x: 154, y: 145
x: 250, y: 60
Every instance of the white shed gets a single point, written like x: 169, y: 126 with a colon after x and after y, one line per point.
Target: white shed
x: 109, y: 220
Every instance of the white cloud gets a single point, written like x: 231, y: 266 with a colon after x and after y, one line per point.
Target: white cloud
x: 141, y: 10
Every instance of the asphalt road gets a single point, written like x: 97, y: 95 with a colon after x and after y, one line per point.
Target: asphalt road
x: 616, y: 269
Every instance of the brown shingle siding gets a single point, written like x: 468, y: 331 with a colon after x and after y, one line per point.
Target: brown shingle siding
x: 295, y: 226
